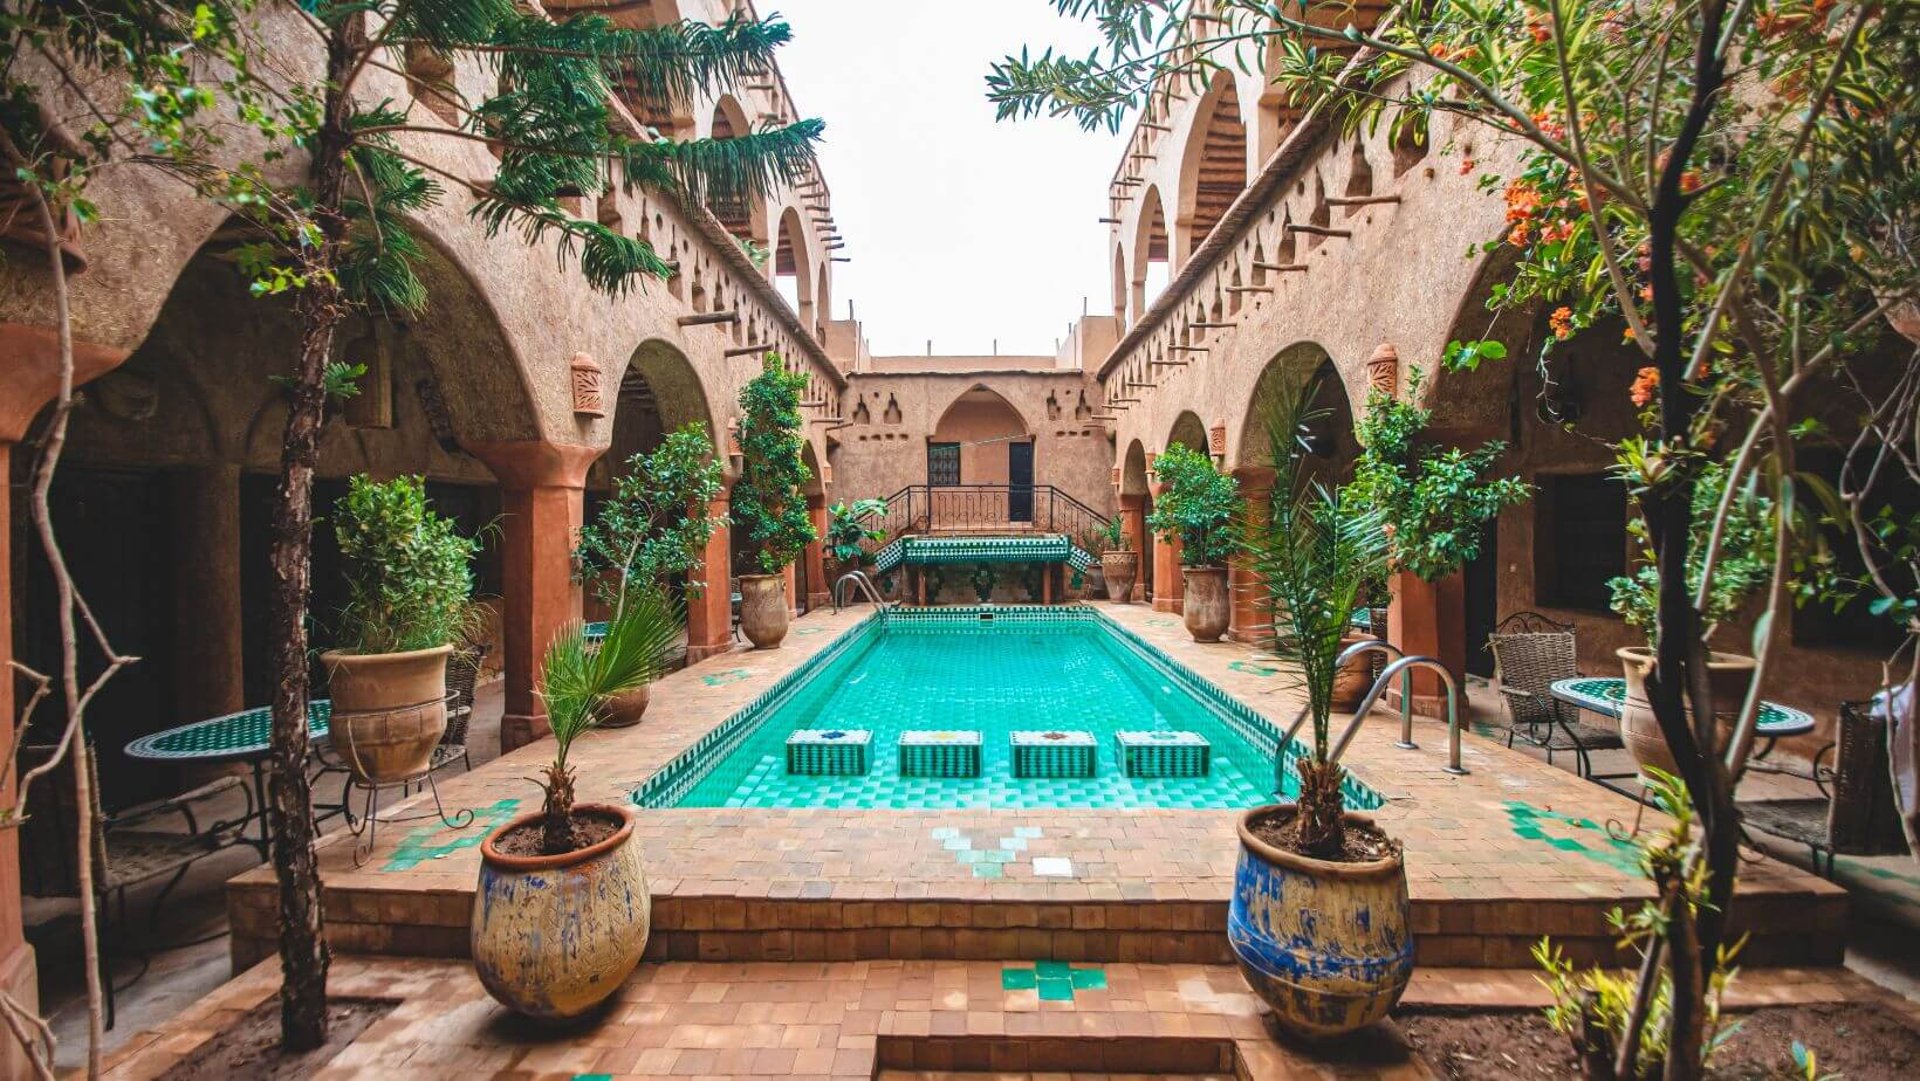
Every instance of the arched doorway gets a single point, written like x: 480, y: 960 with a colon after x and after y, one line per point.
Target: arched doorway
x: 1136, y: 502
x: 981, y: 452
x: 744, y: 215
x: 1150, y: 251
x: 793, y: 266
x: 812, y: 586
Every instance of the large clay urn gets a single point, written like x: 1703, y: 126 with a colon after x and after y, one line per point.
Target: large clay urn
x: 1328, y: 946
x: 389, y: 711
x: 624, y: 710
x: 1120, y: 569
x: 764, y: 614
x: 1354, y: 679
x: 553, y: 936
x: 1205, y: 603
x: 1728, y: 674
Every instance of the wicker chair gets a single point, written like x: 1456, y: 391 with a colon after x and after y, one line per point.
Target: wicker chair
x: 1530, y: 652
x: 463, y: 675
x: 1861, y: 818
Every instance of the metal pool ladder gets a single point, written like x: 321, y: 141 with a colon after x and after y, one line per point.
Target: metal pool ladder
x: 862, y: 585
x: 1402, y: 666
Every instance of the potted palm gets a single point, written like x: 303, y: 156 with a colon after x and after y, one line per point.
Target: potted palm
x: 1119, y: 563
x: 1743, y: 567
x: 652, y: 530
x: 849, y: 533
x: 1319, y: 918
x: 572, y: 869
x: 1198, y: 508
x: 767, y: 502
x: 409, y: 598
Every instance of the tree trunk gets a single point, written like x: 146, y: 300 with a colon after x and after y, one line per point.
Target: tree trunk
x: 320, y: 306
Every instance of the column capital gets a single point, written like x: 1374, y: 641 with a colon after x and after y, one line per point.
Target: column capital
x: 30, y: 372
x: 536, y: 463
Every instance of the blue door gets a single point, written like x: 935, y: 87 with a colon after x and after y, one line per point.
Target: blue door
x: 1020, y: 482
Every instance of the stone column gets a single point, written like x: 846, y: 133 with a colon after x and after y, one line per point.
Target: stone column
x: 1168, y: 586
x: 208, y: 676
x: 1133, y: 522
x: 815, y: 556
x: 710, y: 615
x: 789, y: 578
x: 1430, y: 619
x: 543, y: 493
x: 1251, y: 621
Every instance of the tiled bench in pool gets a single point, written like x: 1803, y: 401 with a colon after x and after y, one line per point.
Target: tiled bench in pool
x: 1053, y: 754
x: 828, y: 752
x: 940, y: 753
x: 1163, y: 754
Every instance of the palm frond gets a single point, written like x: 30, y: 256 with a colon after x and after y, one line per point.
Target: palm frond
x: 746, y: 166
x: 577, y: 678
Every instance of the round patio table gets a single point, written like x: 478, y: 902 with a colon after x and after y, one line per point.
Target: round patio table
x: 1605, y: 696
x: 245, y: 736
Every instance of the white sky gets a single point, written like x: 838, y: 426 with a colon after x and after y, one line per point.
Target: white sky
x: 960, y: 229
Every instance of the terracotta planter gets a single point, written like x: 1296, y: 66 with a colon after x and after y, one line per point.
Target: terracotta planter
x: 625, y: 710
x: 764, y: 614
x: 1327, y: 945
x: 1120, y: 569
x: 1206, y: 605
x: 389, y: 711
x: 553, y: 936
x: 1729, y: 675
x: 1351, y: 682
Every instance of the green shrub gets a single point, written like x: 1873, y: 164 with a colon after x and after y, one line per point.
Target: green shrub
x: 408, y: 581
x: 767, y: 502
x: 1197, y: 508
x: 655, y: 527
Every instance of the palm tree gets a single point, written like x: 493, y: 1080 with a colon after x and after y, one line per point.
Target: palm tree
x: 1314, y: 552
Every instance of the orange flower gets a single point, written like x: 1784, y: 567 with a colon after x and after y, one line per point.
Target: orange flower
x: 1562, y: 323
x: 1689, y: 181
x: 1519, y: 236
x: 1466, y: 166
x: 1645, y: 383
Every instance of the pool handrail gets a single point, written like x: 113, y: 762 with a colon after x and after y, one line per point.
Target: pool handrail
x: 1347, y: 655
x: 1402, y: 666
x: 863, y: 584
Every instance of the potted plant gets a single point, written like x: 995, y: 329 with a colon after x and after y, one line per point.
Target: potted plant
x: 561, y: 913
x: 1743, y: 567
x: 848, y: 533
x: 1319, y: 918
x: 767, y: 503
x: 1119, y: 563
x: 409, y: 599
x: 652, y: 530
x: 1197, y: 509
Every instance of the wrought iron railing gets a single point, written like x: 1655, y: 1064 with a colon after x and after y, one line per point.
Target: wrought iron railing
x: 986, y: 509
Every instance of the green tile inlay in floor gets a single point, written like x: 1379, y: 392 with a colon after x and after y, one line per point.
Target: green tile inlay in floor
x: 1527, y: 819
x: 721, y: 679
x: 1055, y: 980
x: 1253, y: 669
x: 414, y: 849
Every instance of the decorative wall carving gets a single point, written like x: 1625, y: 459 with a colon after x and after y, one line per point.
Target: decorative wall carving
x: 588, y: 400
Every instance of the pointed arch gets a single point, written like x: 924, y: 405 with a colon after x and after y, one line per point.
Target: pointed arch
x: 793, y: 266
x: 744, y: 216
x: 975, y: 432
x: 1213, y: 165
x: 1189, y: 431
x: 1151, y: 270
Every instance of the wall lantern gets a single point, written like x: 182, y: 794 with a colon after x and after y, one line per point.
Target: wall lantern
x: 1383, y: 370
x: 588, y: 401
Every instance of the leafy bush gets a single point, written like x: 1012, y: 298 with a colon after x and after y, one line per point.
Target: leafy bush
x: 408, y: 581
x: 1436, y: 500
x: 848, y: 533
x: 767, y: 503
x: 1113, y: 536
x: 655, y: 527
x: 1744, y: 566
x: 1198, y: 507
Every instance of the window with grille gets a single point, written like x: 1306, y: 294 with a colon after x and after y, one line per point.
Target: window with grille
x: 943, y: 464
x: 1580, y: 539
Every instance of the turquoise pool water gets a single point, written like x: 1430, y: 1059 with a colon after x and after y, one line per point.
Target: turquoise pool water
x: 1047, y: 669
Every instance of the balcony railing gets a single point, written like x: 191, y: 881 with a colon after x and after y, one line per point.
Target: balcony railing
x: 987, y: 509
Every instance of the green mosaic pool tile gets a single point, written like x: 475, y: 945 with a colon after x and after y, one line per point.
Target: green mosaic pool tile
x: 1056, y: 981
x: 414, y: 850
x: 593, y: 1077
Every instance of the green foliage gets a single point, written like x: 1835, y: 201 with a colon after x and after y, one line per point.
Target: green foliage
x: 1436, y: 500
x: 767, y: 500
x: 848, y: 533
x: 577, y: 679
x: 1595, y: 1004
x: 1314, y: 551
x: 1197, y: 508
x: 1113, y: 536
x: 655, y: 526
x: 408, y: 581
x: 1743, y: 568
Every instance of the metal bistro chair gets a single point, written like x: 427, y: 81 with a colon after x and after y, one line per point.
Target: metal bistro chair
x: 1857, y: 815
x: 1530, y: 651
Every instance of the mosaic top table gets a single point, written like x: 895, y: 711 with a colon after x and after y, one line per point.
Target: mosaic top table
x: 1605, y: 696
x: 245, y: 736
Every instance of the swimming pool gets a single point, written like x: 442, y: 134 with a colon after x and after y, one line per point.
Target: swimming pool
x: 994, y: 670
